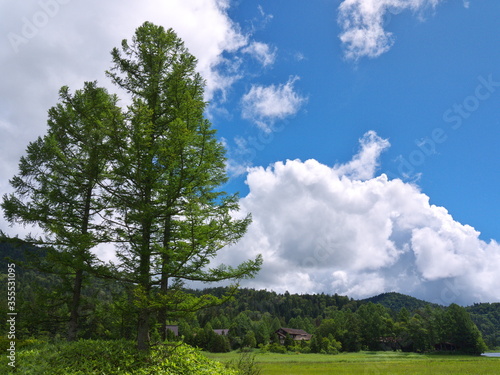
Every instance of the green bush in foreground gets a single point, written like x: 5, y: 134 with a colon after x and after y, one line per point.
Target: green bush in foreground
x: 114, y: 357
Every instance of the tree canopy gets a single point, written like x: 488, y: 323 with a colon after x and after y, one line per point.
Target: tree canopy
x: 59, y: 185
x: 146, y: 178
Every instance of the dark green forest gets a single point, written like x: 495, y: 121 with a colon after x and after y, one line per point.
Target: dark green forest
x: 390, y: 321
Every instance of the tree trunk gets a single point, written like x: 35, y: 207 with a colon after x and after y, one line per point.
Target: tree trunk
x: 143, y: 329
x: 77, y: 288
x: 162, y: 314
x: 145, y: 273
x: 75, y: 305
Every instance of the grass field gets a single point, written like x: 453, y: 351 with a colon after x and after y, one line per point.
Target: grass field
x: 368, y: 363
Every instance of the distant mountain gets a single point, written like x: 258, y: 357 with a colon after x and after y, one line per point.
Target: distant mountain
x: 18, y: 251
x: 396, y: 301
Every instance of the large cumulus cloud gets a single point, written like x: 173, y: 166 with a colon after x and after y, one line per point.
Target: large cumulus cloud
x: 343, y: 230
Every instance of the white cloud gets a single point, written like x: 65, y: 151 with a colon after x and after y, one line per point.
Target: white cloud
x: 259, y: 23
x: 266, y: 104
x: 362, y: 23
x: 364, y: 164
x: 261, y: 52
x: 77, y: 37
x: 321, y: 229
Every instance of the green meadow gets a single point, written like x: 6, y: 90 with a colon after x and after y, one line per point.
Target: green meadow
x: 367, y: 363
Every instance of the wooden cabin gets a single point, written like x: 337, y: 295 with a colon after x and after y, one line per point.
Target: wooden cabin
x: 295, y: 334
x: 174, y: 329
x: 222, y: 332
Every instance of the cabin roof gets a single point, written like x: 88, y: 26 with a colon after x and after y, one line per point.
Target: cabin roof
x: 223, y: 331
x: 296, y: 334
x: 292, y: 331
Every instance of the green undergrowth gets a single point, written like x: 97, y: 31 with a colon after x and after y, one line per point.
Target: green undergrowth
x: 91, y: 357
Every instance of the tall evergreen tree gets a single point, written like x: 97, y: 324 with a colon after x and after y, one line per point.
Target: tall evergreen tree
x: 373, y: 319
x: 462, y: 331
x: 58, y: 186
x: 169, y: 167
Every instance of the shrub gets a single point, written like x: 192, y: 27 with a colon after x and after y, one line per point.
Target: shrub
x: 245, y: 365
x: 300, y: 347
x: 277, y: 348
x: 330, y: 346
x: 249, y: 340
x: 219, y: 344
x: 90, y: 357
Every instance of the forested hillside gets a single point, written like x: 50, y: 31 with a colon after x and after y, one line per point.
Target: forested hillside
x: 487, y: 318
x: 396, y: 301
x: 338, y: 323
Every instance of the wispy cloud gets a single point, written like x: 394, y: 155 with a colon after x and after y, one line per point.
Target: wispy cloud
x: 261, y: 52
x: 264, y: 105
x: 364, y: 164
x: 265, y: 17
x: 362, y: 23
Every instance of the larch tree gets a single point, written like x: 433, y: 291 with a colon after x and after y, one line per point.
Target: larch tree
x: 166, y: 178
x: 462, y: 331
x: 58, y: 187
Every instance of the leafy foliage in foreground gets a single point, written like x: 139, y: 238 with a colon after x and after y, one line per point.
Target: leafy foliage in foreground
x: 88, y: 357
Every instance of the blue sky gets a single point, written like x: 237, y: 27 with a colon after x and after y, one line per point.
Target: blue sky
x: 361, y: 136
x: 404, y: 94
